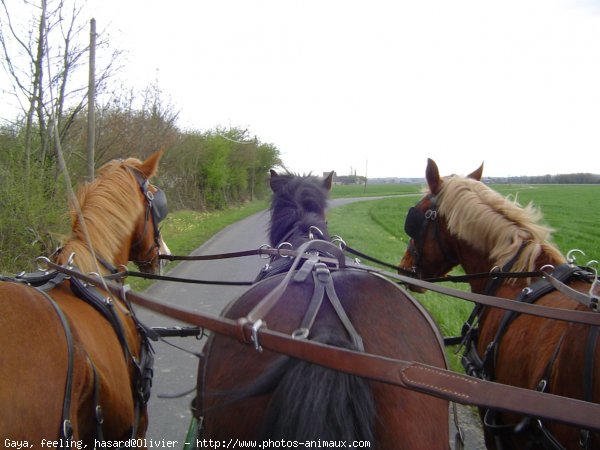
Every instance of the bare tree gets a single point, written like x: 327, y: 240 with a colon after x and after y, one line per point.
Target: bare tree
x: 43, y: 47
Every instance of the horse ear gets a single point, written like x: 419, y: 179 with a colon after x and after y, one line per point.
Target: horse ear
x: 432, y: 175
x: 274, y: 180
x: 476, y: 175
x: 328, y: 181
x: 150, y: 166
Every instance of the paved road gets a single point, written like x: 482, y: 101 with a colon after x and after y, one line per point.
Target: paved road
x: 175, y: 370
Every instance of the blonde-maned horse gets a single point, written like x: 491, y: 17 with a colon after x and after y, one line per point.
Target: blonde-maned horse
x: 74, y: 365
x: 462, y: 221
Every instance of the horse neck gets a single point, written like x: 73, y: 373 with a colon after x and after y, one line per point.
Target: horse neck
x: 87, y: 261
x: 110, y: 241
x: 299, y: 232
x: 473, y: 261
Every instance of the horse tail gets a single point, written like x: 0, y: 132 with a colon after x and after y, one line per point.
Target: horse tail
x: 315, y: 403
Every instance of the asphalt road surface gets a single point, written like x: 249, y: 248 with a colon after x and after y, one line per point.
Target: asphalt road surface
x: 175, y: 370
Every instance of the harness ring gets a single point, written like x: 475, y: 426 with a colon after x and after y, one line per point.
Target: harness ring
x: 281, y: 246
x: 571, y: 258
x: 340, y: 242
x: 264, y: 247
x: 495, y: 269
x: 548, y: 266
x: 42, y: 263
x: 311, y: 236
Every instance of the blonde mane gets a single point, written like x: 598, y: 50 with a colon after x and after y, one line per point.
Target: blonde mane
x: 111, y: 207
x: 495, y: 225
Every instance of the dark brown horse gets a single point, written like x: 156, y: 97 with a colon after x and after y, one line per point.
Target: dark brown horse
x: 75, y: 368
x: 262, y: 396
x: 461, y: 221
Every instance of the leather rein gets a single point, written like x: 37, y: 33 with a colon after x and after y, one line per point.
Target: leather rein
x: 431, y: 380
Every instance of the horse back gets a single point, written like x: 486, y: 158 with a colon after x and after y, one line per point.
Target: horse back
x: 390, y: 322
x: 34, y: 366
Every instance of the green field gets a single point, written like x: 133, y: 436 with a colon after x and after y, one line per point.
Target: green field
x: 371, y: 190
x: 377, y: 228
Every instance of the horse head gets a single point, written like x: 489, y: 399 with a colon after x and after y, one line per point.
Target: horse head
x: 148, y: 244
x: 298, y: 208
x: 116, y: 219
x: 431, y: 250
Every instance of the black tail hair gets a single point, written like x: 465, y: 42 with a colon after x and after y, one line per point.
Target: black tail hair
x: 315, y: 403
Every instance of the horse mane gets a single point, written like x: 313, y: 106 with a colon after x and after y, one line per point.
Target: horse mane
x: 110, y: 211
x: 495, y: 225
x: 293, y: 196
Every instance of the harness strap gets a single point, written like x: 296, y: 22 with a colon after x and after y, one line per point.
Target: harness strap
x: 485, y: 367
x: 265, y: 305
x: 313, y: 306
x: 420, y: 377
x: 66, y: 429
x: 105, y: 307
x: 323, y: 272
x: 590, y: 300
x: 98, y: 413
x: 495, y: 282
x: 493, y: 424
x: 528, y: 295
x: 430, y: 380
x: 142, y: 381
x: 324, y: 284
x: 45, y: 281
x: 588, y: 379
x: 565, y: 315
x: 274, y: 267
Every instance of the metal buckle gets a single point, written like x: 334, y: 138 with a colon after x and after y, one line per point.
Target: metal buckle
x: 67, y: 429
x: 300, y: 333
x: 255, y: 327
x: 431, y: 214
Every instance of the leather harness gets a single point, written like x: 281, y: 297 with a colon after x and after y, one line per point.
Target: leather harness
x: 143, y: 365
x: 483, y: 367
x: 423, y: 378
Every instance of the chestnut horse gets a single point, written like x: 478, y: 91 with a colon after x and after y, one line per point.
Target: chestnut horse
x: 276, y: 400
x: 461, y: 221
x: 77, y: 368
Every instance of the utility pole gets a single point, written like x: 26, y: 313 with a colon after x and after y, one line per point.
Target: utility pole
x: 254, y: 150
x: 91, y: 137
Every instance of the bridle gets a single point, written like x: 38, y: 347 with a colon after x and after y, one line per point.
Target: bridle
x: 156, y: 206
x: 416, y: 225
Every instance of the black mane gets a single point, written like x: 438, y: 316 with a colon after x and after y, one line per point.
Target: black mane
x: 298, y: 203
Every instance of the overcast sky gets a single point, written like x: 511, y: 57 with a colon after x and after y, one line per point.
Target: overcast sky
x: 378, y: 86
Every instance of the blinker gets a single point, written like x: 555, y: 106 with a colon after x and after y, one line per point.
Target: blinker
x: 159, y: 205
x: 157, y: 201
x: 414, y: 224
